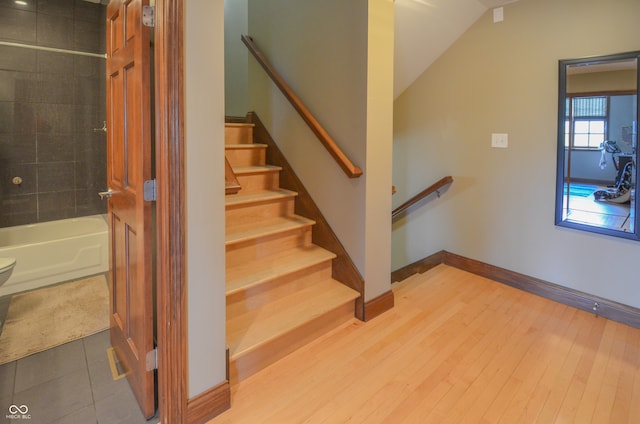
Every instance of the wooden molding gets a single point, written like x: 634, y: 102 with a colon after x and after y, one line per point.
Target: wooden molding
x: 603, y: 307
x: 343, y: 268
x: 171, y: 216
x: 378, y: 305
x: 209, y: 404
x: 418, y: 267
x: 327, y: 141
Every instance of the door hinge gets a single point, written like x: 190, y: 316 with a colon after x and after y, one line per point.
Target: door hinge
x: 149, y: 190
x: 148, y: 16
x: 152, y: 360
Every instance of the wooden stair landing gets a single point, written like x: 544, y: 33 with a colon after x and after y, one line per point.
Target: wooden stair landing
x: 280, y: 294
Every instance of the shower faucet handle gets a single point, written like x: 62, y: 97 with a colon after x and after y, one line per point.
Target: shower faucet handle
x: 105, y: 194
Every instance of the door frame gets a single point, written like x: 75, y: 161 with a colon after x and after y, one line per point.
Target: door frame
x: 170, y: 212
x: 174, y: 405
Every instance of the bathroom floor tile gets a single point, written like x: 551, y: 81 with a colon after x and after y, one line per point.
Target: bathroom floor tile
x: 50, y: 364
x: 7, y: 379
x: 70, y: 384
x: 56, y: 398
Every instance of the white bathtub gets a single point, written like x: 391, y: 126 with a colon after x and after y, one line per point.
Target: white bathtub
x: 51, y: 252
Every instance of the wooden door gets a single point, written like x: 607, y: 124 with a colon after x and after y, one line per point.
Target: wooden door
x: 129, y: 165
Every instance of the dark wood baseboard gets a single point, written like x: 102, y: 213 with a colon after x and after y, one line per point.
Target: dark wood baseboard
x: 418, y: 267
x: 378, y: 305
x: 599, y: 306
x: 209, y: 404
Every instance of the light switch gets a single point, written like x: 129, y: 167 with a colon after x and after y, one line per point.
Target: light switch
x: 498, y: 14
x: 500, y: 140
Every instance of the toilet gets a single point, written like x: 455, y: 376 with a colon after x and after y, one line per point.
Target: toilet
x: 6, y: 268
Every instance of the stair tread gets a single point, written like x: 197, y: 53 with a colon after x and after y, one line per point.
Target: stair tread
x: 247, y: 170
x: 258, y: 196
x: 274, y: 225
x: 246, y: 146
x: 242, y: 277
x: 239, y: 124
x: 256, y: 327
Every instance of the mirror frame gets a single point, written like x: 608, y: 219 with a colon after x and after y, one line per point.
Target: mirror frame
x: 562, y: 96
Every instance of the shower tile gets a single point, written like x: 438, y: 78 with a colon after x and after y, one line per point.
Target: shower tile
x: 49, y: 365
x: 26, y: 88
x: 17, y: 149
x: 56, y: 177
x: 56, y: 205
x: 88, y: 37
x: 17, y: 59
x: 56, y: 7
x: 6, y: 117
x: 55, y: 89
x: 24, y: 120
x: 54, y: 63
x: 85, y: 92
x: 18, y: 210
x: 27, y: 172
x: 53, y: 31
x: 55, y: 148
x: 18, y: 86
x: 89, y: 203
x: 87, y: 11
x: 57, y: 397
x: 54, y: 118
x: 11, y: 3
x: 86, y: 66
x: 17, y: 25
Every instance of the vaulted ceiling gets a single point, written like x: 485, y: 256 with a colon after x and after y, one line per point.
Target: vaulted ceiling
x: 424, y: 29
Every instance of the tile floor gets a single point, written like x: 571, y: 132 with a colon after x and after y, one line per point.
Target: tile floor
x: 71, y: 384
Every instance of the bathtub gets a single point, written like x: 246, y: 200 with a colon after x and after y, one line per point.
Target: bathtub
x: 55, y: 251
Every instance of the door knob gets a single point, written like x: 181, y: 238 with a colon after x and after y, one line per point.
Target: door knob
x: 105, y: 194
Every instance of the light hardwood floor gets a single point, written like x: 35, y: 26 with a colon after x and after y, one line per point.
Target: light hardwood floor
x: 456, y: 348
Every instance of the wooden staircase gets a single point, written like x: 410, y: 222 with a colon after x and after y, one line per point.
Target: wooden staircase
x: 279, y: 290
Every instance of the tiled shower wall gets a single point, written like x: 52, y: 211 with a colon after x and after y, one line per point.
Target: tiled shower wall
x: 50, y: 104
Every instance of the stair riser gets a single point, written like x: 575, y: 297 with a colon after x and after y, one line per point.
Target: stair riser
x: 240, y: 214
x: 251, y: 362
x: 276, y: 288
x: 245, y: 157
x: 238, y: 134
x: 242, y: 252
x: 251, y: 183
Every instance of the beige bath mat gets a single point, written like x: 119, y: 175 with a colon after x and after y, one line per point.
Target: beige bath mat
x: 51, y: 316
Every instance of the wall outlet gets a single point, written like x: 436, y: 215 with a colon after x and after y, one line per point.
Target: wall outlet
x: 500, y: 140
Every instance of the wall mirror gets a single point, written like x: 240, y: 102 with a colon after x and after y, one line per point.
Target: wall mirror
x: 597, y: 145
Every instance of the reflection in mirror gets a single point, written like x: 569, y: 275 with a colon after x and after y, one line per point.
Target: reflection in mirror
x: 597, y: 145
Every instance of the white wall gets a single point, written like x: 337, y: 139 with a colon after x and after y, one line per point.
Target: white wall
x: 204, y: 145
x: 503, y: 77
x: 321, y: 49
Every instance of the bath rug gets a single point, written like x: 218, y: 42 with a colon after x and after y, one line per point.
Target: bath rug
x: 41, y: 319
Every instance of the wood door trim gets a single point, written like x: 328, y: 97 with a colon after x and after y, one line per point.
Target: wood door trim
x: 170, y: 212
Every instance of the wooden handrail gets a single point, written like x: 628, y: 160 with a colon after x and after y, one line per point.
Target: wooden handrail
x: 347, y: 166
x: 424, y: 193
